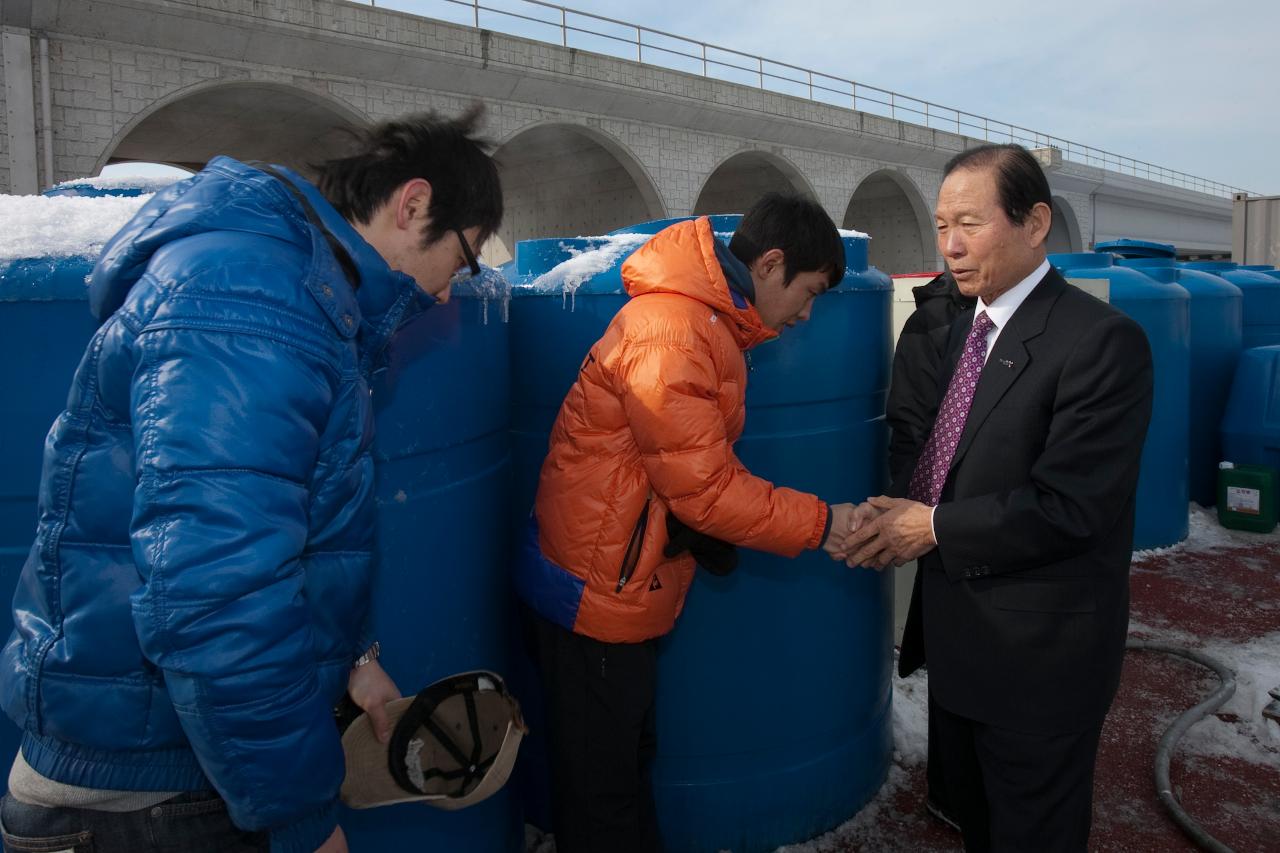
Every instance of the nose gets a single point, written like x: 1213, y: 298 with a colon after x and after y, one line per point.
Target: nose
x: 951, y: 243
x: 443, y: 296
x: 803, y: 316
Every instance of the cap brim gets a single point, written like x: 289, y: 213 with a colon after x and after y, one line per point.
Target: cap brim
x: 369, y: 782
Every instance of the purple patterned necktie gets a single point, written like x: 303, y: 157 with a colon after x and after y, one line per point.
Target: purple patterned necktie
x: 940, y: 449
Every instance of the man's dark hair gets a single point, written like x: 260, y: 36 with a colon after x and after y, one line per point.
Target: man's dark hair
x: 799, y: 227
x: 1020, y: 182
x: 465, y: 190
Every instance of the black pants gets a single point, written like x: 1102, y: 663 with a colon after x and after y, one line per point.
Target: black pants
x: 1015, y: 792
x: 601, y: 738
x: 935, y: 781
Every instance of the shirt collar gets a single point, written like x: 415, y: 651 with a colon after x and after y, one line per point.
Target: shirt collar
x: 1001, y: 309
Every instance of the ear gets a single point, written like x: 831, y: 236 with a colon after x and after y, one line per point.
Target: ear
x: 412, y: 201
x: 1039, y: 222
x: 768, y: 262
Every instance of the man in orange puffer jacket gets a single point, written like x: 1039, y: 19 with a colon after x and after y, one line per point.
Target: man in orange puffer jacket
x: 647, y: 431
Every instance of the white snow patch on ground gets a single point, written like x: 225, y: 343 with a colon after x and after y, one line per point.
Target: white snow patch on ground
x: 34, y: 226
x: 1251, y: 737
x: 1204, y: 533
x: 1256, y: 662
x: 910, y: 717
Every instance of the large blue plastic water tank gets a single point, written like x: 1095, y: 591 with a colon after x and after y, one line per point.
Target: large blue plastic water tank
x: 1162, y: 311
x: 44, y: 326
x: 442, y: 461
x: 1268, y: 269
x: 1215, y: 314
x: 1251, y: 424
x: 551, y: 332
x: 1261, y: 300
x: 773, y: 709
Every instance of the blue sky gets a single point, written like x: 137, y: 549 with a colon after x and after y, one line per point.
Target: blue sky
x: 1191, y: 85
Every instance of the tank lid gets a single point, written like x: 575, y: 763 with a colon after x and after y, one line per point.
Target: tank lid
x: 1127, y: 248
x: 1081, y: 260
x: 855, y: 251
x: 1257, y: 267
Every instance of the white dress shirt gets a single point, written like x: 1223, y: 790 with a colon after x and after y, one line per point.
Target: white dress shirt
x: 1000, y: 311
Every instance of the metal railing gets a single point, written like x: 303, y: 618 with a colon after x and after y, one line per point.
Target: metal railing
x: 551, y: 23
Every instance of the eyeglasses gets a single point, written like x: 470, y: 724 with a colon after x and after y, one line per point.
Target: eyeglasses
x: 473, y: 266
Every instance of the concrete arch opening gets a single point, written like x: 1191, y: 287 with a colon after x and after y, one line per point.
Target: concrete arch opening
x: 1064, y: 233
x: 249, y: 121
x: 739, y: 181
x: 566, y: 180
x: 888, y: 206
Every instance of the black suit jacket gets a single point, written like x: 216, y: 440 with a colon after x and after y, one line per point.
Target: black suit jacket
x: 1023, y: 608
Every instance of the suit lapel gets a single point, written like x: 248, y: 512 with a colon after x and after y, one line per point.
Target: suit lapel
x: 1009, y: 357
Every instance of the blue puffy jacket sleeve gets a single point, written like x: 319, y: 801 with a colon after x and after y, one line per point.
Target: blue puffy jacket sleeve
x: 227, y: 428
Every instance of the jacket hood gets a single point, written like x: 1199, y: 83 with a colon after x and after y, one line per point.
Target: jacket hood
x: 228, y: 195
x: 942, y: 286
x: 682, y: 259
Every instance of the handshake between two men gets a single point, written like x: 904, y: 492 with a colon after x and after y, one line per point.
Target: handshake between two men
x: 881, y: 532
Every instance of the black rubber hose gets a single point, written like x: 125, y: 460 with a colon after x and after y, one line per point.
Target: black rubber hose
x: 1164, y: 752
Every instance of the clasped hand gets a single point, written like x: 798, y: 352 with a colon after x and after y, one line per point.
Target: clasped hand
x: 881, y: 532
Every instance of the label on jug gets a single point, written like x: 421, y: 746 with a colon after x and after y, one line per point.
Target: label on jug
x: 1245, y: 501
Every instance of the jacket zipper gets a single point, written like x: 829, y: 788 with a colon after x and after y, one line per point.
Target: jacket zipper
x: 631, y: 558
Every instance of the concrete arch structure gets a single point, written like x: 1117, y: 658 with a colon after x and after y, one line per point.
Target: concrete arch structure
x: 112, y: 85
x: 564, y: 179
x: 273, y: 122
x: 889, y: 206
x: 740, y: 179
x: 1064, y: 234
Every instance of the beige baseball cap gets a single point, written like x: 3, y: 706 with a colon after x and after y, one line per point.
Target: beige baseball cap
x: 452, y: 745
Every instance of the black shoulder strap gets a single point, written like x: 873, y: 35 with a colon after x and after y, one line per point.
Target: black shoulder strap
x: 339, y: 251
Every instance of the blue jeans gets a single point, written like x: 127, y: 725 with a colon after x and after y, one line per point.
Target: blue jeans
x: 187, y: 823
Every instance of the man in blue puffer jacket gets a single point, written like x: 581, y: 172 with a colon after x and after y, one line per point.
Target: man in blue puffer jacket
x: 195, y: 600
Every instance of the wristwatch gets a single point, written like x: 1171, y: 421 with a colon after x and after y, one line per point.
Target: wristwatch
x: 370, y: 655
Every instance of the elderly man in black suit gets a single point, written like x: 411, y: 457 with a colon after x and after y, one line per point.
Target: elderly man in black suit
x: 1019, y: 507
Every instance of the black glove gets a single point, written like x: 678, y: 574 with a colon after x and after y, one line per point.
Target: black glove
x: 714, y: 555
